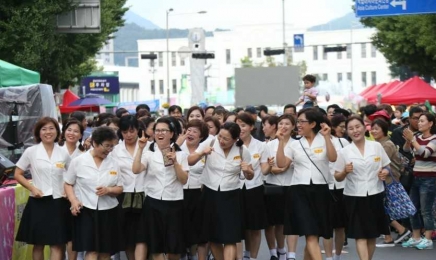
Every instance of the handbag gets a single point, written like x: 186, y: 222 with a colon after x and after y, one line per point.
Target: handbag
x: 273, y: 190
x: 398, y: 204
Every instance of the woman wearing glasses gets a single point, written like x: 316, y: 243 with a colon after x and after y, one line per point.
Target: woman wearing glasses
x: 224, y: 157
x: 308, y: 209
x: 92, y: 183
x: 166, y: 169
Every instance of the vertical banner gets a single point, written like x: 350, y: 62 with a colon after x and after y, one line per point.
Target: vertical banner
x: 7, y: 218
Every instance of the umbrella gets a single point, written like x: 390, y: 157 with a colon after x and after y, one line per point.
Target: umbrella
x: 90, y: 100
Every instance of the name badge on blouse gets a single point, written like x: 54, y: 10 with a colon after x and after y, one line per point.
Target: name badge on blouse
x: 113, y: 172
x: 256, y: 156
x: 377, y: 159
x: 203, y: 160
x: 318, y: 150
x: 237, y: 158
x: 60, y: 165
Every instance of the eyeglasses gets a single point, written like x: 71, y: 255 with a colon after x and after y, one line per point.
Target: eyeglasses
x: 107, y: 147
x: 161, y: 131
x: 415, y: 118
x: 302, y: 121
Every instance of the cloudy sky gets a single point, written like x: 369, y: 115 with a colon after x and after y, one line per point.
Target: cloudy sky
x: 230, y: 13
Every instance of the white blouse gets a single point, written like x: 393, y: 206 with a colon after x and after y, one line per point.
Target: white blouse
x: 338, y: 143
x: 195, y: 171
x: 259, y: 154
x: 284, y: 178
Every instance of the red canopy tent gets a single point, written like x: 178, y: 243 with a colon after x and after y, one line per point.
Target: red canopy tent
x: 69, y: 97
x: 372, y: 96
x: 368, y: 89
x: 413, y: 91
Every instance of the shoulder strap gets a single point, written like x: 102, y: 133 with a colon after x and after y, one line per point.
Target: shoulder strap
x: 313, y: 162
x: 340, y: 142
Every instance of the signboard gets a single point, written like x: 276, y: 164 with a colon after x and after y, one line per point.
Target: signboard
x: 369, y: 8
x: 84, y: 18
x: 101, y: 85
x: 298, y: 42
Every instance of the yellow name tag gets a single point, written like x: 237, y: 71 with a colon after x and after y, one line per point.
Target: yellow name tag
x: 203, y: 160
x: 113, y: 172
x: 318, y: 150
x: 60, y: 165
x: 256, y: 156
x: 377, y: 159
x: 237, y: 158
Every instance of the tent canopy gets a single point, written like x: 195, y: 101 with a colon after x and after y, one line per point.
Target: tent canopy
x: 12, y: 75
x: 69, y: 97
x: 413, y: 91
x: 372, y: 96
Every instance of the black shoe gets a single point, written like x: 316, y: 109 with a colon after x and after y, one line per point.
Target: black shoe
x: 273, y: 257
x: 402, y: 237
x: 345, y: 243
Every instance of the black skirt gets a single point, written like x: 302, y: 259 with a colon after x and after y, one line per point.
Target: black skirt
x: 164, y: 224
x: 97, y: 231
x: 133, y: 227
x: 339, y: 215
x: 366, y: 217
x: 308, y: 211
x: 222, y: 219
x: 275, y: 208
x: 45, y: 222
x: 193, y: 216
x: 253, y: 208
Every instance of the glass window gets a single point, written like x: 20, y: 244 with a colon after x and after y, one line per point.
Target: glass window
x: 349, y: 51
x: 182, y: 62
x: 315, y: 52
x: 249, y: 53
x: 153, y: 87
x: 160, y: 59
x: 339, y: 77
x: 373, y: 78
x: 228, y: 56
x: 325, y: 77
x: 173, y: 59
x: 349, y: 76
x: 229, y: 83
x: 174, y: 86
x: 339, y: 53
x: 364, y: 78
x: 324, y: 54
x: 161, y: 86
x: 363, y: 46
x: 259, y: 52
x: 373, y: 51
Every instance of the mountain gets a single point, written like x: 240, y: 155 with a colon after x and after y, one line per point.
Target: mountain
x: 132, y: 17
x: 343, y: 23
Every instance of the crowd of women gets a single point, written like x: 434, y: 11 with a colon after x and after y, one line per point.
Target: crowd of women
x: 189, y: 185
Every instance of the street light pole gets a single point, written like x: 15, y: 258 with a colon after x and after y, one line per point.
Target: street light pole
x: 168, y: 57
x: 284, y: 35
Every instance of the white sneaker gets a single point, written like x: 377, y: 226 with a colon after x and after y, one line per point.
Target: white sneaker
x: 425, y: 244
x: 411, y: 242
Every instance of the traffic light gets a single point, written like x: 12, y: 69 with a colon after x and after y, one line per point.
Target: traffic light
x: 148, y: 56
x: 203, y: 56
x: 269, y: 52
x: 335, y: 49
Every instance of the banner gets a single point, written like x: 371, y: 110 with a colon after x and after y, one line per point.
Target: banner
x: 101, y: 85
x: 7, y: 218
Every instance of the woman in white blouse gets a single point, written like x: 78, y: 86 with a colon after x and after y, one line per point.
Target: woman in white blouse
x: 44, y: 219
x: 309, y: 196
x: 92, y: 183
x: 364, y: 165
x: 253, y: 203
x: 166, y: 169
x: 221, y: 179
x: 134, y: 184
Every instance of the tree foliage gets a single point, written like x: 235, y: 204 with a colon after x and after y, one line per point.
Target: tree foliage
x: 407, y: 42
x: 28, y: 38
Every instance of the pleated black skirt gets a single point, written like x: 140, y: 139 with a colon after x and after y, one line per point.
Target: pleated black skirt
x: 164, y: 225
x: 275, y: 208
x: 254, y: 209
x: 366, y: 217
x: 45, y: 222
x: 308, y: 211
x: 132, y: 225
x: 339, y: 214
x: 97, y: 231
x: 222, y: 219
x: 193, y: 216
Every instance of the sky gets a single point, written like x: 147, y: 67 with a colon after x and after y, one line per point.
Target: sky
x: 227, y: 14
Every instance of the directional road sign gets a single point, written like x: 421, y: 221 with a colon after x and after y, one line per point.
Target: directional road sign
x: 298, y: 42
x: 369, y: 8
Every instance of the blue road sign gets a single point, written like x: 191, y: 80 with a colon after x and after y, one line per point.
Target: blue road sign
x: 369, y: 8
x: 299, y: 42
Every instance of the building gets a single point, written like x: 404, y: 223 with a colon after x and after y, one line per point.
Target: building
x: 106, y: 54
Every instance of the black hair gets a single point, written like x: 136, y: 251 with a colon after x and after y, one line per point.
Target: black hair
x: 238, y: 109
x: 351, y: 118
x: 220, y: 111
x: 387, y: 108
x: 262, y: 108
x: 192, y: 109
x: 120, y: 111
x: 64, y: 129
x: 100, y: 120
x: 290, y: 106
x: 369, y: 109
x: 112, y: 120
x: 246, y: 118
x: 142, y: 106
x: 313, y: 115
x: 309, y: 78
x: 145, y: 122
x: 103, y: 133
x: 382, y: 124
x: 431, y: 118
x: 142, y: 113
x: 337, y: 119
x: 177, y: 128
x: 293, y: 122
x: 230, y: 114
x: 41, y: 123
x: 214, y: 121
x: 335, y: 106
x: 204, y: 130
x: 415, y: 110
x: 127, y: 122
x: 209, y: 107
x: 173, y: 108
x: 79, y: 115
x: 272, y: 120
x: 234, y: 131
x: 172, y: 125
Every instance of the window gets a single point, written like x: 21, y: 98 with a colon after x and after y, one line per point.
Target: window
x: 339, y: 54
x: 315, y: 52
x: 324, y: 54
x: 364, y: 78
x: 229, y: 83
x: 339, y: 77
x: 161, y: 86
x: 160, y: 59
x: 373, y: 78
x: 363, y: 46
x: 153, y: 87
x: 325, y: 77
x: 228, y: 57
x: 182, y: 62
x: 349, y: 76
x: 259, y: 52
x: 152, y: 61
x: 249, y: 53
x: 349, y: 51
x: 373, y: 51
x: 173, y: 59
x: 174, y: 86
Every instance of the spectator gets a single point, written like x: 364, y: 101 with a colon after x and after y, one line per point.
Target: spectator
x: 141, y: 107
x: 263, y: 111
x: 290, y: 109
x: 331, y: 110
x: 209, y: 111
x: 175, y: 111
x: 310, y: 92
x: 121, y: 112
x: 257, y: 130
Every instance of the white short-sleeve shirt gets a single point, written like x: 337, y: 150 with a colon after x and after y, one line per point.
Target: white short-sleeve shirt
x: 75, y: 153
x: 220, y: 171
x: 304, y: 170
x: 195, y: 171
x: 363, y: 181
x: 47, y: 173
x: 259, y: 154
x: 284, y: 178
x: 161, y: 182
x: 84, y: 175
x: 338, y: 143
x: 132, y: 182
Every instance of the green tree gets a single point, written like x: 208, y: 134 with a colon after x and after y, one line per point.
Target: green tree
x: 246, y: 62
x: 29, y: 39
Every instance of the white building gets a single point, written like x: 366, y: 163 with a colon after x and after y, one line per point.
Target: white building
x: 105, y: 56
x: 360, y: 66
